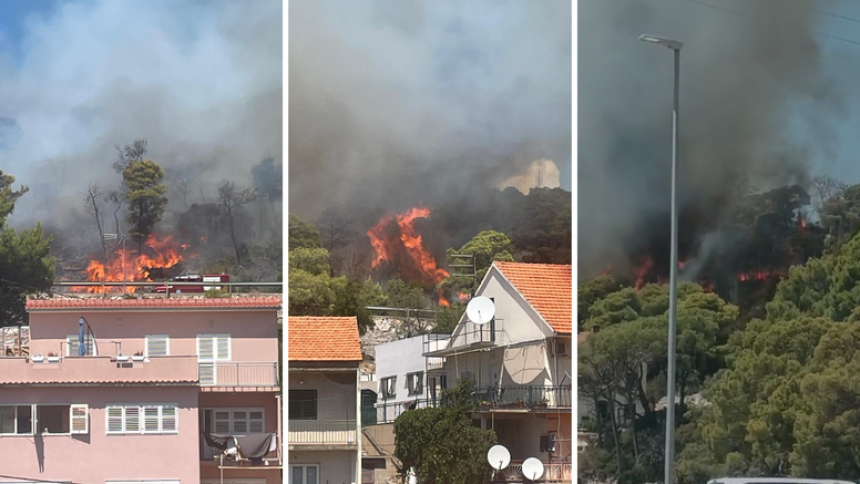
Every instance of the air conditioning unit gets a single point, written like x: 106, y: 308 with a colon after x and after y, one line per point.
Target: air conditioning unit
x: 562, y: 348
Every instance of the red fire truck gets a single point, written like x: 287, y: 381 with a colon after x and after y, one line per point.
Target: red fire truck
x: 206, y: 278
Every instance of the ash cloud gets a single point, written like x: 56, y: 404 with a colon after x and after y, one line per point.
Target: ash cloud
x: 200, y: 80
x: 745, y: 79
x: 393, y: 103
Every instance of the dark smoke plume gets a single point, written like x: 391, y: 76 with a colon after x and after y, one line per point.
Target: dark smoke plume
x: 393, y: 103
x: 749, y: 72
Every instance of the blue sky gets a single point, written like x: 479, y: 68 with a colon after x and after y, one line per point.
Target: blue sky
x: 201, y: 80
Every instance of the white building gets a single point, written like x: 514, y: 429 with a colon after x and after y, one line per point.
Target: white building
x: 406, y: 378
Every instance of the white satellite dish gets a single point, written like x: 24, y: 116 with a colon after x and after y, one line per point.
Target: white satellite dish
x: 480, y: 310
x: 499, y: 457
x: 532, y: 468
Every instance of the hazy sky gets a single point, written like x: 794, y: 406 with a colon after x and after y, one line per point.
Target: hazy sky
x: 201, y: 80
x: 395, y: 101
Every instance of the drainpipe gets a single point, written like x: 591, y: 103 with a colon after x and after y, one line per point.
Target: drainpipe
x: 358, y: 434
x: 280, y: 431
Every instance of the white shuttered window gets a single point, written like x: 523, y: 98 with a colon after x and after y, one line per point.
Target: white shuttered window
x: 212, y: 348
x: 142, y: 419
x: 157, y: 345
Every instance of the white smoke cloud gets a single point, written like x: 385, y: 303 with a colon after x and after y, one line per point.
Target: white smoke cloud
x: 550, y: 177
x: 200, y: 80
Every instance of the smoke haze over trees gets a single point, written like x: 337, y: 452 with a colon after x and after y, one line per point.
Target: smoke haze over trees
x: 759, y: 110
x: 398, y: 103
x: 202, y: 82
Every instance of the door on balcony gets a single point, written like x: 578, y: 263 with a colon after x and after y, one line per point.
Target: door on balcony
x: 211, y: 348
x: 232, y: 421
x: 304, y: 474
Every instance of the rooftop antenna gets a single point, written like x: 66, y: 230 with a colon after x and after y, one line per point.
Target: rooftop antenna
x: 499, y: 457
x: 532, y: 469
x: 480, y: 310
x: 539, y: 174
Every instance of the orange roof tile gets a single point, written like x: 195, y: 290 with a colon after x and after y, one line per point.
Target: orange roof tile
x: 324, y: 338
x: 547, y: 287
x: 260, y: 302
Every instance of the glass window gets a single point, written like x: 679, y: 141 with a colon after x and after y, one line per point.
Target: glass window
x: 303, y: 404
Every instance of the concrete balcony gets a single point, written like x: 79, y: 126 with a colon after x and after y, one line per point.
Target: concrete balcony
x: 239, y: 375
x: 322, y: 434
x: 94, y: 370
x: 555, y: 472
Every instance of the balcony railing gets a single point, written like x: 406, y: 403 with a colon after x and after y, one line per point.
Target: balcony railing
x: 238, y: 374
x: 552, y: 472
x: 520, y: 396
x: 211, y: 454
x: 488, y: 398
x: 321, y: 432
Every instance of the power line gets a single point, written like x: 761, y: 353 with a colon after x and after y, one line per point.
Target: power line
x: 823, y: 12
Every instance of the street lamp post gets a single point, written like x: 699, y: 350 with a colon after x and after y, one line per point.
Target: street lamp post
x: 669, y: 471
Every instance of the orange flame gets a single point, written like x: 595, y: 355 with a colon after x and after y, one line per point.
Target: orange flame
x: 386, y: 244
x: 164, y: 254
x: 642, y: 272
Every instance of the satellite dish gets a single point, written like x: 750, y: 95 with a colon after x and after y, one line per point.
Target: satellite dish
x: 499, y: 457
x: 480, y: 310
x: 532, y: 468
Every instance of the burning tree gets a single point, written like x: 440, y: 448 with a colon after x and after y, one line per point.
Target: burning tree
x: 398, y: 246
x: 145, y: 195
x: 233, y: 199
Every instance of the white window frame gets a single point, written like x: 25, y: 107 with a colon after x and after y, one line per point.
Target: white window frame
x: 304, y: 474
x: 74, y: 338
x: 34, y: 418
x: 148, y: 337
x: 213, y: 361
x: 247, y: 410
x: 215, y: 337
x: 141, y: 418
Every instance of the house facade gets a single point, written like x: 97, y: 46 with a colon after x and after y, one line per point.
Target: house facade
x: 324, y: 420
x: 155, y: 378
x: 407, y: 379
x: 521, y: 364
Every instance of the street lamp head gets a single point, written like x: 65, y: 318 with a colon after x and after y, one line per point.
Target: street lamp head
x: 668, y: 43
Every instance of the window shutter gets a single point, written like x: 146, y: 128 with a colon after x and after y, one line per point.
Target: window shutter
x: 157, y: 345
x: 72, y: 345
x: 223, y: 343
x: 132, y: 419
x: 205, y: 348
x: 168, y: 418
x: 150, y: 419
x: 79, y: 419
x: 114, y: 415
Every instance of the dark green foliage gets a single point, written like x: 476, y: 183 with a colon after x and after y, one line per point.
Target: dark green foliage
x: 145, y: 196
x: 25, y: 264
x: 442, y: 444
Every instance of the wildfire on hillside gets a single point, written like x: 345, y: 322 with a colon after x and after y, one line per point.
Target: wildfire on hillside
x: 397, y: 244
x: 161, y: 258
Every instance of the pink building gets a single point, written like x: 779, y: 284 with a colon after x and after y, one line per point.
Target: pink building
x: 160, y: 377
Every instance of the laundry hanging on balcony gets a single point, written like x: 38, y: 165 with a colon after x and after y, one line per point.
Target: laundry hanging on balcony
x: 253, y: 447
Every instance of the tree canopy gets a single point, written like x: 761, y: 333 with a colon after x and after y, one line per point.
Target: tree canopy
x: 25, y: 264
x: 145, y: 195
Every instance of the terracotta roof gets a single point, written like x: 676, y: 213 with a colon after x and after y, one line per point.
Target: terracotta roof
x: 323, y: 338
x: 260, y: 302
x: 547, y: 287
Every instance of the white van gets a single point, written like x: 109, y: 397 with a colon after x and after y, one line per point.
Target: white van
x: 775, y: 480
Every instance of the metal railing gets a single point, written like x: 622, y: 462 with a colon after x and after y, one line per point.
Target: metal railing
x: 524, y: 396
x: 553, y: 472
x: 210, y: 453
x: 238, y: 374
x: 322, y: 432
x: 487, y: 398
x: 492, y: 333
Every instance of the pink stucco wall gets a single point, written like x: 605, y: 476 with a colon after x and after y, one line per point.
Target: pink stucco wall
x: 254, y: 333
x: 96, y: 457
x: 98, y: 369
